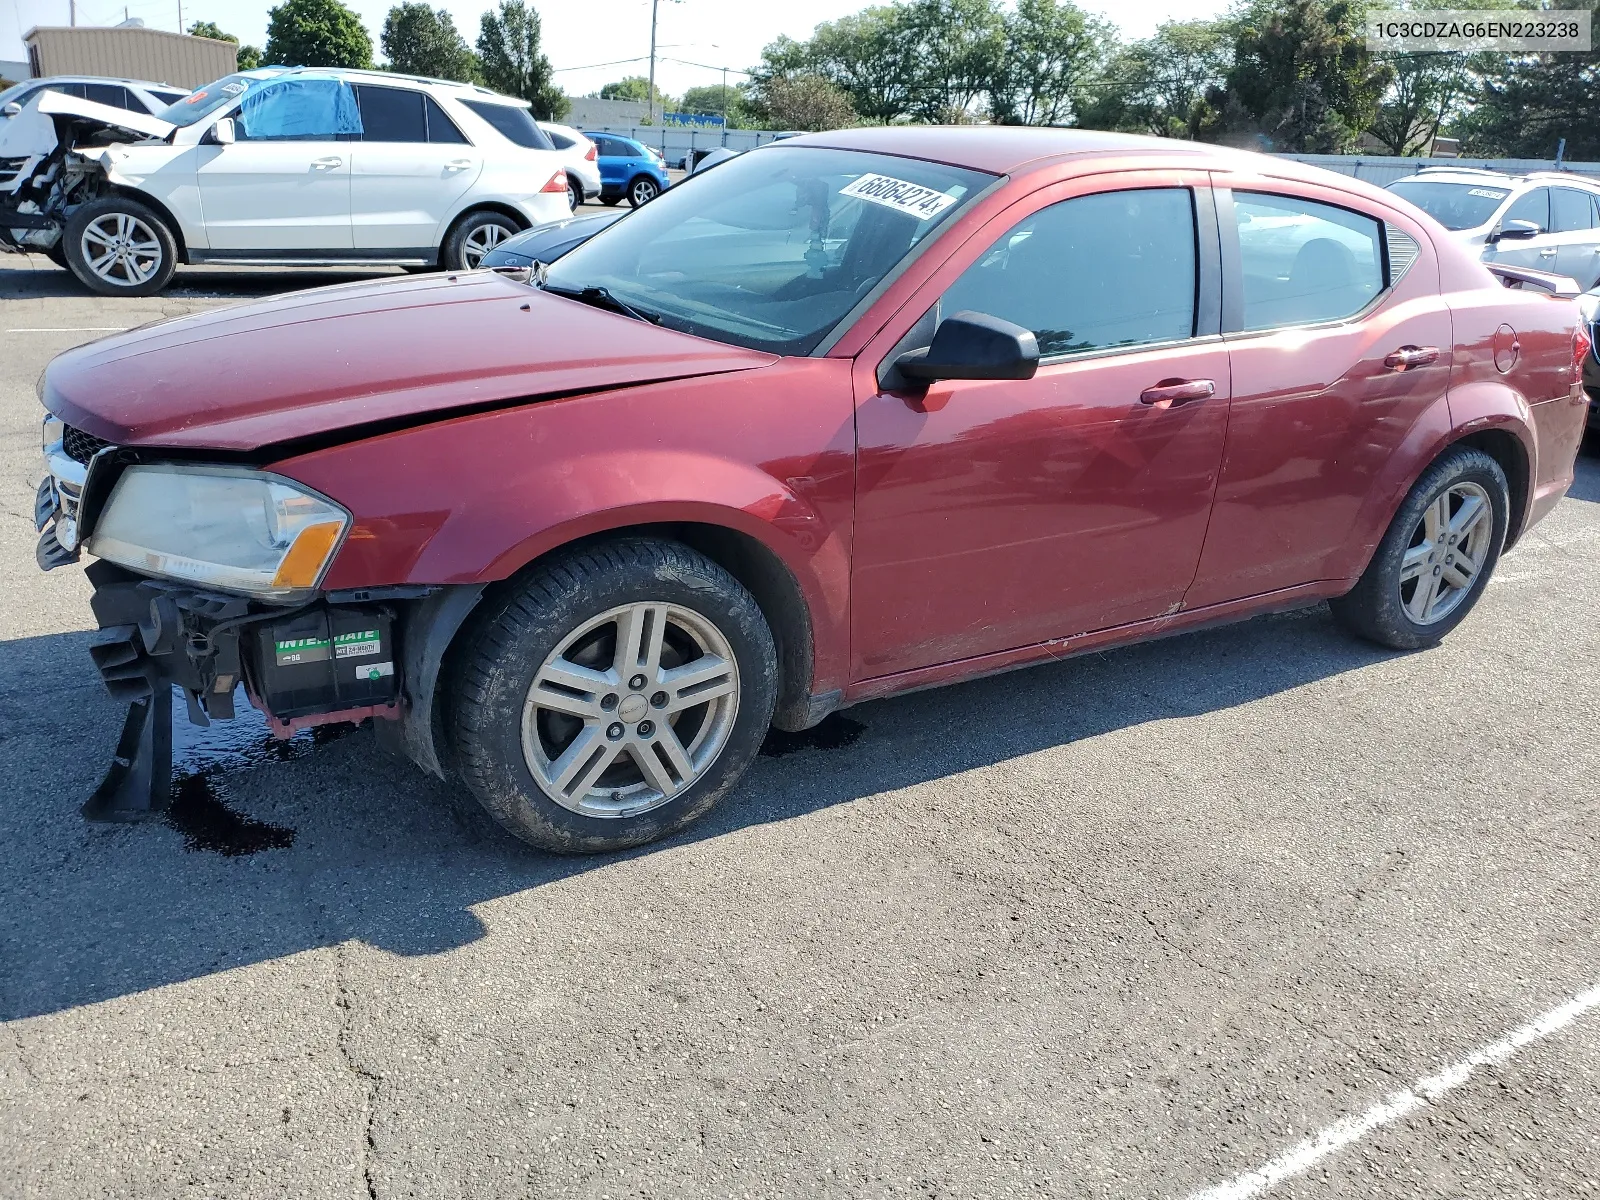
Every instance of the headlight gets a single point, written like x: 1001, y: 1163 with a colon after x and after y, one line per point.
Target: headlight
x: 50, y: 434
x: 241, y: 530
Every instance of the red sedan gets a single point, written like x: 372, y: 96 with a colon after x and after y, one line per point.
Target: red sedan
x: 849, y: 415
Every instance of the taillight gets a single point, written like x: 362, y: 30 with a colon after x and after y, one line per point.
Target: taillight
x: 592, y: 155
x: 1582, y: 343
x: 558, y: 183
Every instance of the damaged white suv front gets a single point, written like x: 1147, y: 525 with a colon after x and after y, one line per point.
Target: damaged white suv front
x: 276, y: 166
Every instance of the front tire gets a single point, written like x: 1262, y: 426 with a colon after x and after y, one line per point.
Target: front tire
x: 473, y: 237
x: 642, y: 190
x: 612, y: 697
x: 119, y: 247
x: 574, y: 194
x: 1437, y: 556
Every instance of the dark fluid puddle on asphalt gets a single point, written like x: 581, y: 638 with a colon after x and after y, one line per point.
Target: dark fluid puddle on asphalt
x: 833, y: 732
x: 203, y: 757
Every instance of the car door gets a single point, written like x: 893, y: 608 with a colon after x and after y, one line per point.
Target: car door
x: 1339, y: 343
x: 998, y: 514
x: 408, y: 170
x: 1577, y: 235
x: 284, y: 185
x: 1539, y: 251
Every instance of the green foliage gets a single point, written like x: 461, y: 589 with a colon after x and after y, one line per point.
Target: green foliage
x: 249, y: 57
x: 808, y: 103
x: 419, y: 40
x: 1302, y: 78
x: 1160, y: 85
x: 1054, y: 54
x: 1522, y: 106
x: 714, y: 100
x: 512, y: 62
x: 317, y: 33
x: 633, y: 87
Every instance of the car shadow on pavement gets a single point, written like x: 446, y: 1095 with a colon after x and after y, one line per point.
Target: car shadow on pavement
x: 358, y: 845
x: 1586, y: 485
x: 35, y: 277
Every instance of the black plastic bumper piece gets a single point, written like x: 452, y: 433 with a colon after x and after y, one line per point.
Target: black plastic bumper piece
x: 138, y: 784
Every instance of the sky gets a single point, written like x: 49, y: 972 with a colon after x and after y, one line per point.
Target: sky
x: 577, y: 33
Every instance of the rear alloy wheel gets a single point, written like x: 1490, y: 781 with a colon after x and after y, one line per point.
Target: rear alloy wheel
x: 574, y: 194
x: 617, y: 696
x: 642, y: 190
x: 119, y: 247
x: 474, y: 237
x: 1437, y: 556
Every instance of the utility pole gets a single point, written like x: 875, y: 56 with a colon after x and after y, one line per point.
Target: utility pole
x: 180, y: 16
x: 654, y: 5
x: 72, y: 10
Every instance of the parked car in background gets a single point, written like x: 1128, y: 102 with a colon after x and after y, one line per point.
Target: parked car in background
x: 628, y: 170
x: 851, y: 415
x: 581, y: 158
x: 1589, y: 311
x: 134, y: 95
x: 1546, y: 220
x: 548, y: 242
x: 703, y: 160
x: 276, y: 166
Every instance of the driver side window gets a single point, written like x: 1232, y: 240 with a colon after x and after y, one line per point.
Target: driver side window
x: 298, y: 110
x: 1092, y: 273
x: 1535, y: 207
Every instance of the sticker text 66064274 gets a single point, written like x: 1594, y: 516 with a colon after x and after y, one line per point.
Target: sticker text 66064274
x: 924, y: 203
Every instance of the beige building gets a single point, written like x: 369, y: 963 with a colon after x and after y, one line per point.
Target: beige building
x: 128, y: 52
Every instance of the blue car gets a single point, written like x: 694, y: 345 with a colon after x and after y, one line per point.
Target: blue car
x: 627, y: 170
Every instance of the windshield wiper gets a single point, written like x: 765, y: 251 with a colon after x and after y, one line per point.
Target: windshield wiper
x: 597, y: 295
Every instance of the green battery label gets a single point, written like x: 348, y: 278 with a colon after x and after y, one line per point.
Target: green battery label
x: 294, y: 651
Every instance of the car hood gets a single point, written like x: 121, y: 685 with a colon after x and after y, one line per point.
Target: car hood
x: 361, y: 355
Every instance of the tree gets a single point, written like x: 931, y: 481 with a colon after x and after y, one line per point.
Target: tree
x: 1053, y: 55
x: 317, y: 33
x: 249, y: 57
x: 512, y: 62
x: 633, y: 87
x: 1160, y: 85
x: 419, y: 40
x: 807, y: 102
x: 1302, y: 78
x: 714, y: 100
x: 1427, y: 90
x: 961, y: 50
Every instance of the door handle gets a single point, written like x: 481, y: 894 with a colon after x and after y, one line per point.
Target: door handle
x: 458, y: 164
x: 1177, y: 391
x: 322, y: 164
x: 1407, y: 357
x: 1547, y: 253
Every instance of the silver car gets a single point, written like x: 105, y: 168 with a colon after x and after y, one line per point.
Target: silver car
x: 1547, y: 220
x: 132, y: 95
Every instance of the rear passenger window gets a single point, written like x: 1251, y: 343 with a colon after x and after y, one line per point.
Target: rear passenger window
x: 110, y: 93
x: 391, y: 115
x: 441, y: 129
x: 513, y: 122
x: 1092, y: 273
x: 1570, y: 210
x: 1303, y: 262
x: 1535, y: 207
x: 561, y: 140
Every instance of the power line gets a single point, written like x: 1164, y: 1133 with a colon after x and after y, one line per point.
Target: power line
x: 592, y: 66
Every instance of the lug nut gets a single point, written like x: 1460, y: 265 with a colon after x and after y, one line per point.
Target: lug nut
x: 608, y: 702
x: 659, y: 700
x: 646, y: 728
x: 637, y: 683
x: 614, y: 730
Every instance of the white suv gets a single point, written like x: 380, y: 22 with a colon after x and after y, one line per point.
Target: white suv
x: 1546, y: 220
x: 278, y: 167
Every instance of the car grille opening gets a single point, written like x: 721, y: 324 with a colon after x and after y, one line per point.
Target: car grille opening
x: 81, y: 446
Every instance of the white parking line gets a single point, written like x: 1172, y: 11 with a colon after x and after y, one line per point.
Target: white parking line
x: 73, y: 329
x: 1399, y: 1104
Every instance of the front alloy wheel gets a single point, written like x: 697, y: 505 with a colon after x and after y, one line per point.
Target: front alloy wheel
x: 632, y: 708
x: 611, y: 695
x: 117, y: 246
x: 1448, y: 549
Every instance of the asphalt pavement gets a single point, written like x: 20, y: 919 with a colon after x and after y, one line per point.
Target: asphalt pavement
x: 1135, y: 925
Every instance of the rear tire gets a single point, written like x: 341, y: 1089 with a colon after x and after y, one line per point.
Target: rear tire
x: 642, y: 190
x: 473, y: 237
x: 1450, y: 529
x: 576, y: 743
x: 609, y: 201
x: 117, y: 246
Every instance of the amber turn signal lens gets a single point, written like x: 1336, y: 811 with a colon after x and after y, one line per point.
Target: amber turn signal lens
x: 309, y: 554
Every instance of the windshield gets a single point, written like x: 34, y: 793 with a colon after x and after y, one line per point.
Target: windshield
x: 201, y: 103
x: 1453, y: 205
x: 773, y: 248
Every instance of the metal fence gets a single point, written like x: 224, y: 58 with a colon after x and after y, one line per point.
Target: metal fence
x: 1381, y: 170
x: 677, y: 142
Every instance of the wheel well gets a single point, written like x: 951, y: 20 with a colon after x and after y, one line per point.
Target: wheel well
x: 162, y: 211
x: 1504, y: 447
x: 505, y: 210
x: 765, y: 576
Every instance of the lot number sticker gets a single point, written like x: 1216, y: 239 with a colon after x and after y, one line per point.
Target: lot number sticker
x: 923, y: 203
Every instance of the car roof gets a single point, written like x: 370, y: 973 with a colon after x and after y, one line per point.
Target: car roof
x: 477, y: 90
x: 1505, y: 179
x: 47, y: 80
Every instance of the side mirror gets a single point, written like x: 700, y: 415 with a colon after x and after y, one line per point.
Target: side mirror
x: 973, y: 345
x: 1517, y: 231
x: 11, y: 110
x: 222, y: 133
